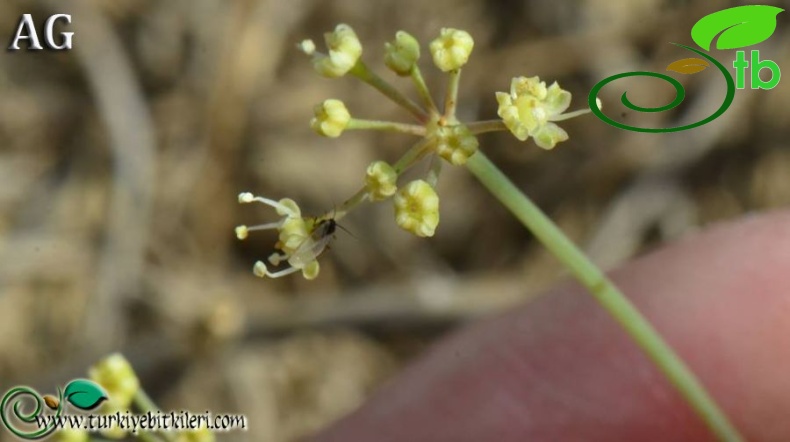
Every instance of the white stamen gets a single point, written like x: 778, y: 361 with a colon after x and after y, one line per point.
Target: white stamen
x: 276, y: 258
x: 569, y: 115
x: 276, y: 205
x: 285, y: 272
x: 267, y: 226
x: 241, y: 232
x: 261, y: 271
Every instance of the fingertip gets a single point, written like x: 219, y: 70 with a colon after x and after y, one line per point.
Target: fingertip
x: 560, y: 368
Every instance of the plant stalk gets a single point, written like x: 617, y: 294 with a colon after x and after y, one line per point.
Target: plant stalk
x: 361, y: 71
x: 480, y: 127
x: 411, y: 129
x: 144, y: 402
x: 607, y: 294
x: 451, y: 98
x: 422, y: 89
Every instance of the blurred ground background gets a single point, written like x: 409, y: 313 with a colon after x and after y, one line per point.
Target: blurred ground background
x: 122, y: 159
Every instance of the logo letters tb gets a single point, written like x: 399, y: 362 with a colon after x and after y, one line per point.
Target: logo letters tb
x: 741, y: 64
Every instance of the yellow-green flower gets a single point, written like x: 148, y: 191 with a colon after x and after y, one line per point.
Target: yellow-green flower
x: 451, y: 49
x: 296, y: 244
x: 402, y: 54
x: 115, y: 431
x: 331, y: 118
x: 417, y: 208
x: 344, y: 52
x: 71, y: 435
x: 200, y: 435
x: 381, y: 181
x: 530, y: 109
x: 293, y: 233
x: 116, y: 375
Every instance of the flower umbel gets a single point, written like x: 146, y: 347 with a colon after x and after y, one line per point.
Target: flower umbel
x: 530, y: 109
x: 417, y: 208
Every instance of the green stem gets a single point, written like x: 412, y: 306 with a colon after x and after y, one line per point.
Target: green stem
x: 412, y: 129
x: 414, y: 154
x: 349, y: 204
x: 422, y: 89
x: 451, y: 99
x: 607, y: 295
x: 145, y: 404
x: 147, y: 437
x: 435, y: 170
x: 361, y: 71
x: 479, y: 127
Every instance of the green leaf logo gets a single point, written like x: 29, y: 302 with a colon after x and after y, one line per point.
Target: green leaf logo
x: 739, y: 27
x: 84, y: 394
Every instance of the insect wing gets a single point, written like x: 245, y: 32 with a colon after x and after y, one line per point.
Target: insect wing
x: 314, y: 245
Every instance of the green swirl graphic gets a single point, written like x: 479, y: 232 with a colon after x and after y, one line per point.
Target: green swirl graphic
x: 29, y: 418
x: 680, y: 94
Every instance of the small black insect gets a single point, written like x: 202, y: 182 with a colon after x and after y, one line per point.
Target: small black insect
x: 312, y: 247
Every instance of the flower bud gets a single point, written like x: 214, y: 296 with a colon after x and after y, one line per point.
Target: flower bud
x: 451, y: 49
x: 116, y: 375
x: 344, y: 52
x: 417, y: 208
x: 380, y: 181
x: 331, y: 118
x: 402, y: 54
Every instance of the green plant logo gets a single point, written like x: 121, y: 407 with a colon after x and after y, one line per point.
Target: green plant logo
x: 736, y: 28
x: 80, y: 393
